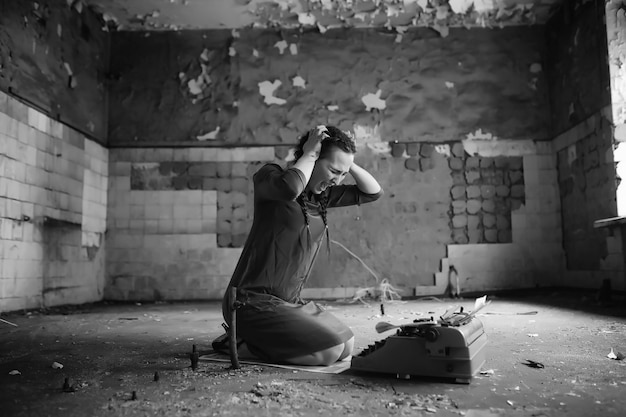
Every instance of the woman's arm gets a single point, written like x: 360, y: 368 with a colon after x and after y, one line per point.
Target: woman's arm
x: 311, y: 151
x: 365, y: 182
x: 364, y: 191
x: 273, y: 183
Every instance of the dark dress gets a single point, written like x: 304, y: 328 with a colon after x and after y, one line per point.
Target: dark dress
x: 275, y: 263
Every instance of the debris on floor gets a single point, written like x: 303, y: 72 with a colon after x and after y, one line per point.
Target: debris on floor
x: 107, y: 359
x: 67, y: 387
x: 8, y: 322
x: 430, y: 403
x: 618, y: 356
x: 533, y: 364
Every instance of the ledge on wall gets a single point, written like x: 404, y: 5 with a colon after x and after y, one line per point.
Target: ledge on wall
x: 618, y: 221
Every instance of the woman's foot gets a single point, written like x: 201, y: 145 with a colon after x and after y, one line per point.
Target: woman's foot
x: 222, y: 343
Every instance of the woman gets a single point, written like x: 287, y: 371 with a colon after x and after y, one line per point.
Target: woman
x: 286, y: 235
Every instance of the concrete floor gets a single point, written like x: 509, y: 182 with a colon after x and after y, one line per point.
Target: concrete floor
x: 110, y: 350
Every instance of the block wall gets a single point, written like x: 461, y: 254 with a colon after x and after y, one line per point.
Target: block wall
x: 177, y: 220
x: 485, y: 191
x: 53, y: 199
x: 587, y: 185
x: 403, y: 235
x: 523, y: 253
x: 417, y: 96
x: 438, y: 197
x: 179, y: 217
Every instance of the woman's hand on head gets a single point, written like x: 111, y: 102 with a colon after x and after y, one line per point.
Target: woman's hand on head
x: 364, y: 180
x: 313, y: 145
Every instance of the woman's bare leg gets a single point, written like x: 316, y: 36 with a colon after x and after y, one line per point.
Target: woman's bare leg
x: 320, y: 358
x: 347, y: 350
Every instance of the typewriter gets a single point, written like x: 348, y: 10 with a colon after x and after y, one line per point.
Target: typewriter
x: 452, y: 347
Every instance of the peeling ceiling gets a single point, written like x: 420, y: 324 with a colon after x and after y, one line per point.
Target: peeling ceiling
x: 323, y: 14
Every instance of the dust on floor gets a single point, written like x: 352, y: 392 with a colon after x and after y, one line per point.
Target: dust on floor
x: 108, y: 351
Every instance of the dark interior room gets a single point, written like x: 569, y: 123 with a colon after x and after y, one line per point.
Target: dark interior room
x: 473, y: 257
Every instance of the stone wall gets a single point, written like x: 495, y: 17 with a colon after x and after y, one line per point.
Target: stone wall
x: 227, y: 182
x: 588, y: 193
x: 403, y: 235
x: 54, y: 56
x: 456, y: 128
x: 265, y: 87
x: 577, y: 66
x: 179, y: 217
x: 529, y: 253
x: 206, y: 107
x: 177, y: 220
x: 485, y: 192
x: 53, y: 190
x: 581, y: 97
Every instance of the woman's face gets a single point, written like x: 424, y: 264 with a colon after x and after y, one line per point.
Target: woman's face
x: 330, y: 170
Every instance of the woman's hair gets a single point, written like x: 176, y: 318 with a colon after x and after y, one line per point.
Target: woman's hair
x: 337, y: 139
x: 322, y: 205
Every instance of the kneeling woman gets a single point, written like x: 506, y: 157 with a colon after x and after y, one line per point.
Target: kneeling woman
x: 286, y: 235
